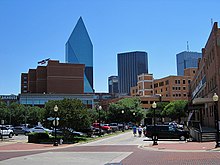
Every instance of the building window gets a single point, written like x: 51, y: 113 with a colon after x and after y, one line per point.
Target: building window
x: 189, y: 81
x: 184, y: 81
x: 161, y: 84
x: 184, y: 88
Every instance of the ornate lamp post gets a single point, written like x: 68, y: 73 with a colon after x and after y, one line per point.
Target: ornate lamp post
x: 55, y: 110
x: 215, y: 99
x: 123, y: 127
x: 154, y: 106
x: 99, y: 107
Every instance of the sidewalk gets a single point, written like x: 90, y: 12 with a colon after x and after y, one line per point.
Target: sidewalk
x: 21, y: 146
x: 175, y: 146
x: 183, y: 146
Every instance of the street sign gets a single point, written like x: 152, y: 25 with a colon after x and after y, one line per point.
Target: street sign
x: 50, y: 118
x: 54, y: 123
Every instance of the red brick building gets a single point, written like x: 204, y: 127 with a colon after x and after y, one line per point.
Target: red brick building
x: 169, y: 88
x: 207, y: 81
x: 59, y: 78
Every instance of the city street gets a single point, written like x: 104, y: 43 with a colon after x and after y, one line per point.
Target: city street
x: 122, y: 149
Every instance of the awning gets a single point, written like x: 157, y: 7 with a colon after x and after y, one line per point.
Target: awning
x: 202, y: 101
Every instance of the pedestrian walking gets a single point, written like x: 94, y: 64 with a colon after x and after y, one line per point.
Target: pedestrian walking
x: 140, y: 131
x: 134, y: 130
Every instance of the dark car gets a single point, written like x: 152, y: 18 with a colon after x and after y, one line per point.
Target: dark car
x: 166, y: 132
x: 67, y: 131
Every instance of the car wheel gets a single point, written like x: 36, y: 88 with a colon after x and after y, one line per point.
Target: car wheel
x: 10, y: 135
x: 182, y: 138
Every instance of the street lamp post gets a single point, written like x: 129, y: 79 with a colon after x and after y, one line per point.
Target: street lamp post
x: 99, y: 109
x: 154, y: 106
x: 55, y: 110
x: 123, y: 127
x: 215, y: 99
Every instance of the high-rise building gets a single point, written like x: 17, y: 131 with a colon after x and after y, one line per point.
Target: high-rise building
x: 113, y: 84
x: 79, y: 50
x: 185, y: 60
x: 130, y: 65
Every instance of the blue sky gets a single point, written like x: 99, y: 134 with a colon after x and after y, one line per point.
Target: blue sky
x: 32, y: 30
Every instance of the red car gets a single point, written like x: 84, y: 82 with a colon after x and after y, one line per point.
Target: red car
x: 104, y: 127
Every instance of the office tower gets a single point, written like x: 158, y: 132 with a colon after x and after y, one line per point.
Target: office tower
x: 113, y: 84
x: 79, y: 50
x: 130, y: 65
x: 185, y: 60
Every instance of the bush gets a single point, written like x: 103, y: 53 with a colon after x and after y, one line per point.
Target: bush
x: 37, y: 137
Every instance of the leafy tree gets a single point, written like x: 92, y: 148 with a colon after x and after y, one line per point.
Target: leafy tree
x: 35, y: 115
x: 72, y: 113
x: 158, y: 111
x: 175, y: 110
x: 3, y: 111
x: 131, y: 108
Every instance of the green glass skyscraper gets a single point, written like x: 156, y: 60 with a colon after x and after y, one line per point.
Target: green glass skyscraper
x: 79, y: 50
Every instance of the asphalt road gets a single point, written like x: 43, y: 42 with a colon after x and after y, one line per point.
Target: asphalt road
x: 123, y: 149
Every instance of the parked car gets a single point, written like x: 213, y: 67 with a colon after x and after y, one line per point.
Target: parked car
x: 166, y: 132
x: 105, y: 127
x: 114, y: 126
x: 4, y: 131
x: 39, y: 129
x: 8, y: 126
x: 68, y: 131
x: 20, y: 130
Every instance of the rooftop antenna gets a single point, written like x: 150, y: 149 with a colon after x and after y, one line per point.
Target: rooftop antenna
x: 187, y: 46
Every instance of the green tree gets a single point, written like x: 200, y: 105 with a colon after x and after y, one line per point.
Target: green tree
x: 35, y: 115
x: 175, y: 110
x: 131, y: 108
x: 72, y: 113
x: 158, y: 111
x: 3, y: 112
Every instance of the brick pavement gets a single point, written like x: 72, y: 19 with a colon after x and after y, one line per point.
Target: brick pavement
x: 182, y: 146
x: 143, y: 155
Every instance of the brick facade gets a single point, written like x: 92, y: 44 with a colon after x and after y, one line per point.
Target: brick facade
x: 54, y: 78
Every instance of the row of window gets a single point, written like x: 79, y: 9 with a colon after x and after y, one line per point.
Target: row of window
x: 179, y: 95
x: 167, y: 82
x: 184, y: 81
x: 178, y: 88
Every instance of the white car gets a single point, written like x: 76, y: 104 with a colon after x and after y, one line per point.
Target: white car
x: 4, y: 131
x: 39, y: 129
